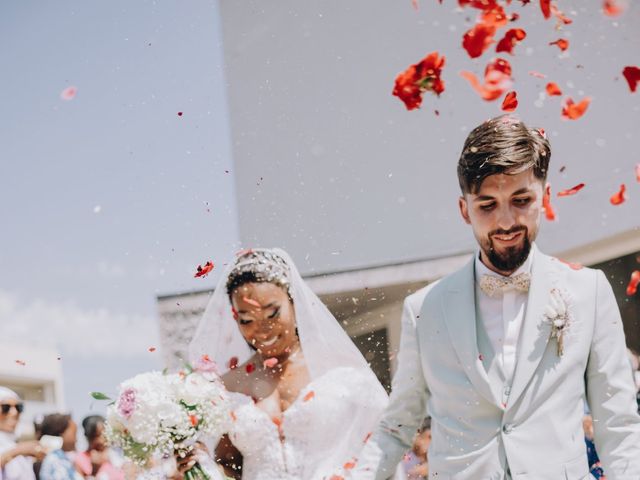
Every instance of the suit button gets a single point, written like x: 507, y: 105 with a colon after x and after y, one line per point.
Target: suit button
x: 507, y: 428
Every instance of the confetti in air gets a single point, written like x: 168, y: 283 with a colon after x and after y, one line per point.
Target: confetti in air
x: 632, y: 287
x: 68, y: 93
x: 571, y: 191
x: 572, y: 110
x: 619, y: 197
x: 204, y: 271
x: 510, y: 102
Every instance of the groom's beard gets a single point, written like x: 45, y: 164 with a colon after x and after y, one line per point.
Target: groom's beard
x: 511, y: 258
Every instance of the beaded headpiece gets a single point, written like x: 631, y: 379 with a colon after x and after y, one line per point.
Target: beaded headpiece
x: 259, y: 266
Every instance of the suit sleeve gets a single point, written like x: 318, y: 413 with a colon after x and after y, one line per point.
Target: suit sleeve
x: 611, y: 392
x: 405, y: 411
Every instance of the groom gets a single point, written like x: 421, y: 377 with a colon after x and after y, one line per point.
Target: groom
x: 503, y: 353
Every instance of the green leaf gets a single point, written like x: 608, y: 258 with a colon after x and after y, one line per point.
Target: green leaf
x: 99, y: 396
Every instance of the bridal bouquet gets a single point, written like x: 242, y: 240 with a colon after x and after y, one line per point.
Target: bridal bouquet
x: 162, y: 414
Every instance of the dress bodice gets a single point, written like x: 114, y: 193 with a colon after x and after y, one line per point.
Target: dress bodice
x: 307, y: 442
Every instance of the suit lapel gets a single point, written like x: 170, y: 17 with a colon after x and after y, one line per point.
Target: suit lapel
x: 534, y: 335
x: 458, y: 306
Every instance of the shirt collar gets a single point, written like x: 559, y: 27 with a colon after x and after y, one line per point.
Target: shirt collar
x: 482, y: 269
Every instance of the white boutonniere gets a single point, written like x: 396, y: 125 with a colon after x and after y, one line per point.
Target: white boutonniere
x: 557, y: 314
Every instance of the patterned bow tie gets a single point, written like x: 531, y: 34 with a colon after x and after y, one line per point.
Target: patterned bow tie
x: 491, y: 285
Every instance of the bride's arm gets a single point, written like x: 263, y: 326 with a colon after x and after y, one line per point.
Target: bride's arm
x: 228, y: 456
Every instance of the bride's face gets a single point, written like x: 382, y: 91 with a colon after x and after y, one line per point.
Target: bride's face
x: 265, y: 317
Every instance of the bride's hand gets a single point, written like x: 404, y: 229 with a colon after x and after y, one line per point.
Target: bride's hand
x: 185, y: 462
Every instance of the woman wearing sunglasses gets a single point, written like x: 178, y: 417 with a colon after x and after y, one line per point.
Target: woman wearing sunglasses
x: 16, y: 459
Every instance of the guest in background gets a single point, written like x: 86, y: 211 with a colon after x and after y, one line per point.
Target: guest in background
x: 595, y: 468
x: 98, y: 461
x: 59, y: 464
x: 415, y: 462
x: 16, y: 458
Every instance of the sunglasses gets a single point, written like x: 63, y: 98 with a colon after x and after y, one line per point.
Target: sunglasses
x: 6, y: 408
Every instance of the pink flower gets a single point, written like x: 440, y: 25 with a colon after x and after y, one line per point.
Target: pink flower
x: 127, y: 402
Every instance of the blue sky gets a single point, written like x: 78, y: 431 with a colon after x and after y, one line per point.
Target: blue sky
x: 111, y: 198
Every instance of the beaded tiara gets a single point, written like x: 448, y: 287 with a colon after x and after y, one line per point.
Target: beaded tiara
x: 259, y: 266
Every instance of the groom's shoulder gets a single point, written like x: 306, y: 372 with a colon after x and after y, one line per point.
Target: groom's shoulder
x: 432, y: 291
x: 416, y: 299
x: 572, y: 270
x: 574, y: 276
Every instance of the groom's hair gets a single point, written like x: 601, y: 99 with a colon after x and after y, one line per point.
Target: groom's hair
x: 502, y: 145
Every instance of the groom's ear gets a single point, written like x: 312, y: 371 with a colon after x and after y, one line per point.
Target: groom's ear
x: 464, y: 209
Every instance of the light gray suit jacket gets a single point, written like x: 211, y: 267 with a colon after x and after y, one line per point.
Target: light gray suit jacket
x: 538, y: 434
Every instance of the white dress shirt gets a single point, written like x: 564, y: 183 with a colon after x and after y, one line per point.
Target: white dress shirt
x: 20, y: 468
x: 502, y: 316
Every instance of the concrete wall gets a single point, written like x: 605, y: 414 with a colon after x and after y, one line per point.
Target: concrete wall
x: 332, y: 168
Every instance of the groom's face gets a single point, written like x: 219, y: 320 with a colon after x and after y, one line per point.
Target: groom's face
x: 505, y: 216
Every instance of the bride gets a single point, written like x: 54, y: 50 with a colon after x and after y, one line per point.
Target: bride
x: 304, y: 398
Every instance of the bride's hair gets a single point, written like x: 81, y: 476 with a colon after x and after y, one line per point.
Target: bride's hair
x: 259, y: 266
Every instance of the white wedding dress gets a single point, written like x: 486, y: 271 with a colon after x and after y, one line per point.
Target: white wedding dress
x: 309, y: 441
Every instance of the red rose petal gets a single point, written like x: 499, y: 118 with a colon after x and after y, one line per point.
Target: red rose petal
x: 549, y: 212
x: 510, y: 102
x: 270, y: 362
x: 252, y: 302
x: 152, y: 349
x: 553, y: 89
x: 421, y: 77
x: 350, y: 465
x: 562, y: 18
x: 68, y: 93
x: 611, y: 8
x: 479, y: 4
x: 533, y: 73
x: 476, y: 40
x: 632, y: 75
x: 203, y: 271
x: 233, y: 363
x: 510, y: 39
x: 571, y: 191
x: 545, y: 6
x: 561, y: 43
x: 497, y: 78
x: 573, y: 266
x: 573, y: 111
x: 250, y: 368
x: 494, y: 17
x: 619, y: 197
x: 309, y: 396
x: 632, y: 287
